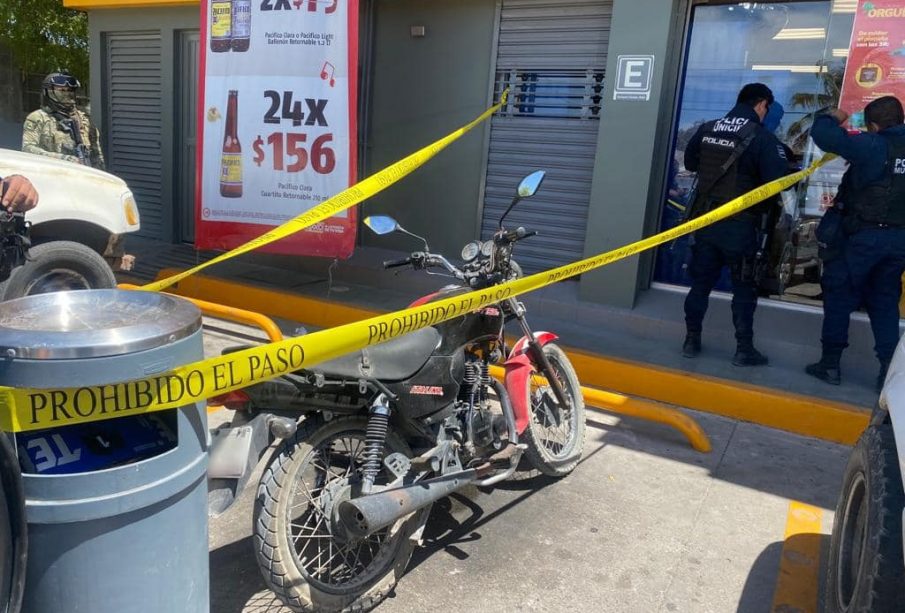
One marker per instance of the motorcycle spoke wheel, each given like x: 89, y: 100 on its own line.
x: 302, y: 548
x: 552, y: 423
x: 555, y: 433
x: 322, y: 482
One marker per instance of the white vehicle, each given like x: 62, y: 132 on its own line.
x: 78, y: 212
x: 866, y: 568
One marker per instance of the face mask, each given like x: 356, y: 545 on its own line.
x: 65, y: 97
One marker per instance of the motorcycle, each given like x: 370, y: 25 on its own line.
x: 372, y: 439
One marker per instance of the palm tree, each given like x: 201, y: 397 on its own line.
x: 830, y: 82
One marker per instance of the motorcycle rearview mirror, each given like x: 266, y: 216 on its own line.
x: 384, y: 224
x: 530, y: 184
x: 527, y: 188
x: 381, y: 224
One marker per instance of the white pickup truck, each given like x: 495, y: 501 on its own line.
x: 78, y: 212
x: 866, y: 566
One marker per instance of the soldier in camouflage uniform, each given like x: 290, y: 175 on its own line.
x: 58, y: 129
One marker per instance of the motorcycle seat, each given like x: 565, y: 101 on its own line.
x: 393, y: 360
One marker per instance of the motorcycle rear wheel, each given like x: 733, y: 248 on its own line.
x: 554, y: 449
x: 308, y: 568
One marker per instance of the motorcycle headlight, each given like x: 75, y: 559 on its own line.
x: 130, y: 209
x: 471, y: 251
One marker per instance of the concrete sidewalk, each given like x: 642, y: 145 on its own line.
x: 643, y: 524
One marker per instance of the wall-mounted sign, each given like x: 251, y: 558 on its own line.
x: 634, y: 74
x: 277, y: 121
x: 876, y: 57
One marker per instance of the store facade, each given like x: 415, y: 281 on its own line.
x: 606, y: 93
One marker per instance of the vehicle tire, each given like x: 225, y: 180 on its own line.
x: 785, y: 269
x: 13, y: 531
x: 554, y: 449
x: 58, y: 266
x: 291, y: 563
x: 866, y: 572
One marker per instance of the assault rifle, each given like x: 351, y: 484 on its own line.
x: 755, y: 267
x: 81, y: 150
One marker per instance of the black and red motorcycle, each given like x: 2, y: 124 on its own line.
x: 372, y: 439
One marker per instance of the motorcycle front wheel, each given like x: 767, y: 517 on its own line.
x: 555, y: 433
x: 304, y: 564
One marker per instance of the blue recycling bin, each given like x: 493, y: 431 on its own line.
x: 116, y: 509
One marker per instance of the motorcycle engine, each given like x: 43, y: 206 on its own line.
x: 480, y: 422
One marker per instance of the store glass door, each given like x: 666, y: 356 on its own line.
x: 799, y: 50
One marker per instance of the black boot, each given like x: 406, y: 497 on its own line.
x: 691, y: 348
x: 747, y: 355
x: 827, y: 369
x: 881, y: 378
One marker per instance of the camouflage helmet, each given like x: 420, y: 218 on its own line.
x: 60, y: 88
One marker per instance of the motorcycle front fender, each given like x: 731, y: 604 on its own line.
x: 518, y: 369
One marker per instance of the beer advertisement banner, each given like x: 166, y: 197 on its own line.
x: 277, y: 121
x: 876, y: 58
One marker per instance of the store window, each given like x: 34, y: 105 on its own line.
x: 799, y: 50
x: 573, y: 94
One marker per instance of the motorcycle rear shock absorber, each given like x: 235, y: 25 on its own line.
x: 375, y: 438
x: 471, y: 381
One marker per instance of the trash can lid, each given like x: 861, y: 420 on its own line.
x: 93, y: 323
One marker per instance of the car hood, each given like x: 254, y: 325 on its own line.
x: 40, y: 170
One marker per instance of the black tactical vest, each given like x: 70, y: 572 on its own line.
x: 883, y: 202
x: 720, y: 139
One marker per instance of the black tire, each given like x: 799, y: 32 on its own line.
x: 277, y: 548
x: 13, y: 530
x: 58, y: 266
x: 866, y: 572
x: 555, y: 456
x: 785, y: 269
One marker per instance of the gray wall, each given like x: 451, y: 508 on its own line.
x: 634, y: 137
x: 167, y: 21
x: 424, y: 88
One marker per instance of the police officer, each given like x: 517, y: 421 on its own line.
x: 868, y: 268
x: 60, y: 130
x: 731, y: 155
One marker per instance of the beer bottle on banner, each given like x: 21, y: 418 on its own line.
x: 231, y: 160
x: 241, y: 25
x: 221, y: 25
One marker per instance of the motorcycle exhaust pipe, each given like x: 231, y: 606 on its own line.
x: 363, y: 516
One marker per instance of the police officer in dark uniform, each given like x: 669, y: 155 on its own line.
x: 731, y: 155
x: 867, y: 268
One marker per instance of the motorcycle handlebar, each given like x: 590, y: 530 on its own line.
x: 397, y: 263
x: 512, y: 236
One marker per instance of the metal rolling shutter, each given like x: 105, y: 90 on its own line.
x: 552, y: 55
x: 132, y: 120
x: 189, y: 43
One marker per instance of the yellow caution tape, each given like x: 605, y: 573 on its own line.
x: 345, y: 199
x: 35, y: 409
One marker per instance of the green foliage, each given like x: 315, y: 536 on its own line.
x: 43, y: 36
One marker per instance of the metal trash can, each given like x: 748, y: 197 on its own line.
x: 117, y: 516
